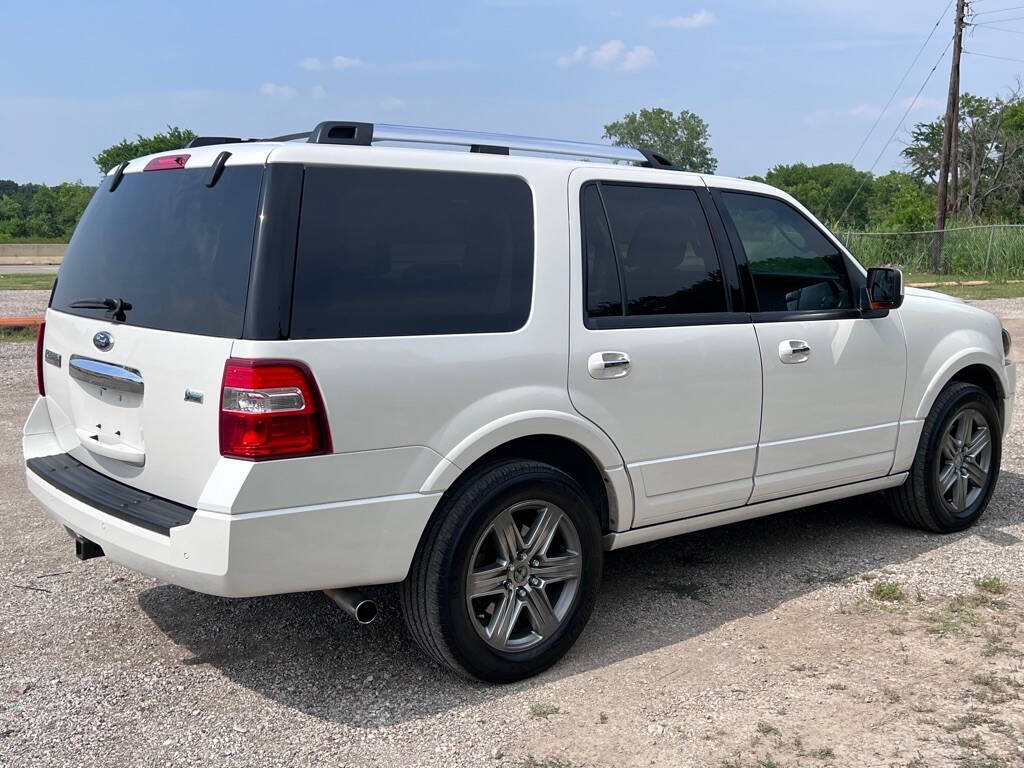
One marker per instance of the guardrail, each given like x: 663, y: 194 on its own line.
x: 32, y: 253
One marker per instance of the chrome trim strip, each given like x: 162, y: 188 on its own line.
x: 105, y: 375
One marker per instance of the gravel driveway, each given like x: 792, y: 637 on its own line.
x: 761, y: 644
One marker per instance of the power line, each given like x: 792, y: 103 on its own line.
x: 899, y: 125
x: 896, y: 90
x: 990, y: 56
x: 999, y: 10
x: 997, y: 21
x: 892, y: 97
x: 997, y: 29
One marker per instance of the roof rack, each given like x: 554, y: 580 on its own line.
x: 365, y: 134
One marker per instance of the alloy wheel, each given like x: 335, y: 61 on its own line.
x: 965, y: 460
x: 524, y: 575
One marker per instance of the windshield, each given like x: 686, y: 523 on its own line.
x: 173, y: 251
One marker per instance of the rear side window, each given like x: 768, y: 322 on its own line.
x: 391, y: 252
x: 176, y: 250
x: 649, y: 251
x: 794, y: 266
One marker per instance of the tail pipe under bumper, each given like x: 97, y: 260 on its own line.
x: 355, y: 604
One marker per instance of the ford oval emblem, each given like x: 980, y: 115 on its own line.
x: 103, y: 341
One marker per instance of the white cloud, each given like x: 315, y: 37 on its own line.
x: 693, y: 21
x: 607, y: 53
x: 872, y: 111
x: 311, y: 63
x: 277, y: 91
x: 639, y: 57
x: 318, y: 92
x: 611, y: 54
x: 865, y: 110
x: 393, y: 103
x: 573, y: 58
x: 345, y: 62
x: 925, y: 102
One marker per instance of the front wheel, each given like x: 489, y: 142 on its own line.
x: 507, y: 573
x: 956, y: 465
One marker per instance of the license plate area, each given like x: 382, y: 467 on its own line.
x: 106, y: 408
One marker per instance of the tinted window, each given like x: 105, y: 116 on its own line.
x: 386, y: 252
x: 662, y: 241
x: 176, y: 250
x: 793, y: 264
x: 604, y: 294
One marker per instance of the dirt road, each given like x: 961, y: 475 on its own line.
x: 829, y: 636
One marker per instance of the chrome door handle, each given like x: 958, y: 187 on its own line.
x: 608, y: 365
x: 794, y: 351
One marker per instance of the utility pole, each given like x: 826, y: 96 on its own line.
x: 949, y: 137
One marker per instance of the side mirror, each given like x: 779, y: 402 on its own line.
x: 884, y: 289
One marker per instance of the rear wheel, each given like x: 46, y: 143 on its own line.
x: 507, y: 573
x: 957, y: 462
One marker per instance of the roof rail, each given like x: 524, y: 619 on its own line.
x: 365, y: 134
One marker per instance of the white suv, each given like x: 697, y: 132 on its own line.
x: 276, y: 366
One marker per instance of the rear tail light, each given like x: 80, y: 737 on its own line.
x: 271, y: 409
x: 166, y: 163
x: 39, y: 358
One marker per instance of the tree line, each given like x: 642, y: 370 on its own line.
x: 989, y: 166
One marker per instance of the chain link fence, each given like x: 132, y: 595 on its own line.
x: 992, y: 252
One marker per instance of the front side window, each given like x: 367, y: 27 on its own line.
x: 393, y: 252
x: 794, y: 266
x: 649, y: 251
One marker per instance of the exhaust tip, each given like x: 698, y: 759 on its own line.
x: 366, y: 611
x: 355, y: 604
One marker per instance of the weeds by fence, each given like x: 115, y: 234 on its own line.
x: 994, y: 251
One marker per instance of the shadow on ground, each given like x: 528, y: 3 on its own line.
x: 302, y: 651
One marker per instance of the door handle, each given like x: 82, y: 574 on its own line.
x: 608, y: 365
x: 794, y: 351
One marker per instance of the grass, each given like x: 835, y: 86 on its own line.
x: 18, y: 334
x: 953, y: 619
x: 767, y: 729
x: 887, y: 592
x: 27, y: 281
x: 554, y: 762
x: 993, y: 585
x: 993, y: 289
x: 822, y: 753
x: 31, y: 240
x: 544, y: 710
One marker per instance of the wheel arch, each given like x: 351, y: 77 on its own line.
x: 972, y: 366
x: 569, y: 443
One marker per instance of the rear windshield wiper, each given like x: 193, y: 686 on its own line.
x: 117, y: 306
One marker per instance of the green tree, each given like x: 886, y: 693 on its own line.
x: 900, y: 203
x: 827, y: 190
x: 173, y: 138
x: 682, y: 138
x: 990, y: 156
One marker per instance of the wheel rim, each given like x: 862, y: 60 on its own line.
x: 965, y: 460
x: 524, y: 575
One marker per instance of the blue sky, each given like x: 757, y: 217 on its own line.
x: 779, y: 81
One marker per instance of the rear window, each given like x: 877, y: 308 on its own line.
x: 390, y: 252
x: 176, y: 250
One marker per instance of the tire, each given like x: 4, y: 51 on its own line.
x: 506, y: 632
x: 924, y: 500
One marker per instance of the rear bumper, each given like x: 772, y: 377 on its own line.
x: 370, y: 541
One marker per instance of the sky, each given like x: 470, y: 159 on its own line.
x: 778, y: 81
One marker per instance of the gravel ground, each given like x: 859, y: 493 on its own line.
x: 18, y: 303
x: 758, y: 644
